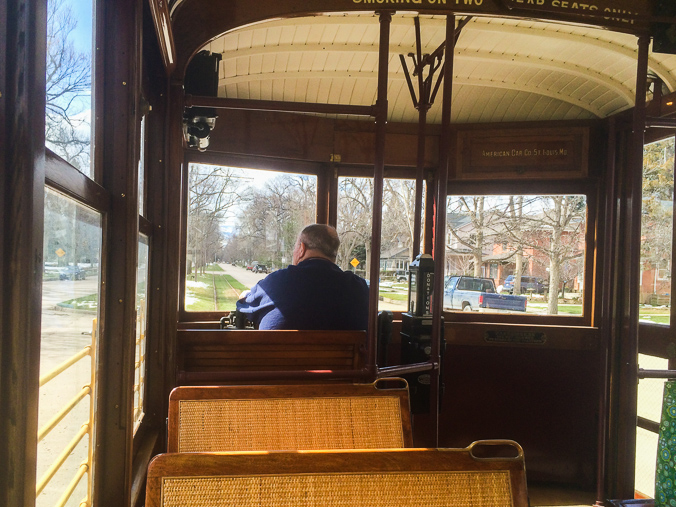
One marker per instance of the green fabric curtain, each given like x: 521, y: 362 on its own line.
x: 665, y: 476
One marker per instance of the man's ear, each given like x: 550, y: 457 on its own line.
x: 302, y: 248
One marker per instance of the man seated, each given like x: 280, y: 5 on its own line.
x: 312, y: 293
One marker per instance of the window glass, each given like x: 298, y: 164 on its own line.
x: 142, y: 169
x: 141, y: 320
x: 69, y: 99
x: 355, y: 211
x: 242, y: 224
x: 657, y: 220
x: 70, y: 302
x: 529, y: 248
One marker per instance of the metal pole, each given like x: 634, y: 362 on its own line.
x: 629, y: 296
x: 440, y: 226
x: 379, y: 170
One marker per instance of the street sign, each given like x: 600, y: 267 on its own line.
x: 60, y: 252
x: 354, y: 263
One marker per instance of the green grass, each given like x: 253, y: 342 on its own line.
x: 657, y: 319
x: 203, y: 297
x: 89, y: 302
x: 571, y: 309
x: 394, y: 296
x: 214, y: 267
x: 235, y: 283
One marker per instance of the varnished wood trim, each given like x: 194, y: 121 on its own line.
x: 23, y: 29
x: 63, y: 177
x: 165, y: 36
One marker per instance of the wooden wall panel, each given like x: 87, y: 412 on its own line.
x: 22, y: 116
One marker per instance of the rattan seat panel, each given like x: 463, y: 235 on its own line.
x: 290, y: 424
x: 397, y: 489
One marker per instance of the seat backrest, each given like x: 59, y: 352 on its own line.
x: 365, y: 478
x: 215, y: 356
x: 290, y: 417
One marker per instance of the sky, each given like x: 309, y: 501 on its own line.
x: 82, y: 35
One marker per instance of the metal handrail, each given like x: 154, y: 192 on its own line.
x: 44, y: 431
x: 49, y: 474
x: 64, y: 366
x: 85, y: 430
x: 140, y: 363
x: 658, y: 374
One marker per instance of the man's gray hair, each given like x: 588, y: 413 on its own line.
x: 323, y: 238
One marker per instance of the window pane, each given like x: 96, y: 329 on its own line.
x: 657, y: 231
x: 70, y: 302
x: 530, y: 247
x: 242, y: 223
x: 355, y: 210
x: 141, y: 320
x: 142, y: 169
x: 69, y: 102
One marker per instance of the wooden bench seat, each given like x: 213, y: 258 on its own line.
x: 290, y: 417
x: 373, y: 478
x: 216, y: 356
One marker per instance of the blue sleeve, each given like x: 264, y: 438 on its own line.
x: 255, y: 305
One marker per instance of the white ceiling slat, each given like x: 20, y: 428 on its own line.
x: 505, y: 69
x: 558, y: 66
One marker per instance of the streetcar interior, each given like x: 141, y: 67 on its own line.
x: 526, y: 150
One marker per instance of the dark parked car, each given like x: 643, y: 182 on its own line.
x: 72, y: 273
x: 260, y: 268
x: 528, y: 284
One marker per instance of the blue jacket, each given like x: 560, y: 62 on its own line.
x: 315, y: 294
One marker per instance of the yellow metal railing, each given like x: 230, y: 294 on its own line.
x: 87, y: 428
x: 139, y: 364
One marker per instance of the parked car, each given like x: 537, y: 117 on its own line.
x: 401, y: 276
x: 72, y: 273
x: 528, y: 284
x: 249, y: 267
x: 260, y: 268
x: 468, y: 294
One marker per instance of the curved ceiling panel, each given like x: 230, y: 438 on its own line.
x: 504, y: 69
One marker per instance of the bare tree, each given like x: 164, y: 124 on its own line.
x: 355, y: 206
x: 479, y: 235
x: 213, y: 192
x: 658, y: 213
x: 398, y: 213
x: 557, y: 230
x: 68, y: 92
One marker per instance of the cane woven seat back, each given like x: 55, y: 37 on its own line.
x: 371, y: 478
x: 288, y: 417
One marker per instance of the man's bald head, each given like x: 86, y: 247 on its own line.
x: 316, y: 240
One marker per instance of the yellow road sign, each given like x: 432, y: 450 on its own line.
x: 354, y: 263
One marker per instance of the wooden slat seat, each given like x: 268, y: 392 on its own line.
x: 372, y: 478
x: 290, y: 417
x: 213, y: 356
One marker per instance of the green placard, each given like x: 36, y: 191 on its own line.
x: 665, y: 474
